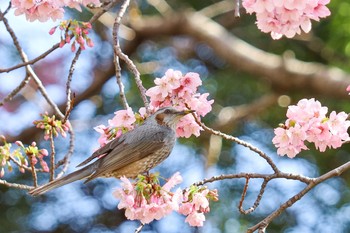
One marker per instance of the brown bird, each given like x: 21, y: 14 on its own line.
x: 133, y: 153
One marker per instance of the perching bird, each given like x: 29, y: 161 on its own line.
x: 133, y: 153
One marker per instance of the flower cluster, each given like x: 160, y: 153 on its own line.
x: 44, y: 10
x: 52, y: 126
x: 173, y: 89
x: 180, y: 91
x: 286, y: 17
x: 6, y: 156
x: 74, y: 29
x: 122, y: 122
x: 195, y: 203
x: 146, y: 200
x: 33, y: 153
x: 307, y: 121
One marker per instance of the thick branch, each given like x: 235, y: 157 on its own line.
x: 284, y: 74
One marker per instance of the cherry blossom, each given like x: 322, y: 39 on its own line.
x: 307, y: 122
x: 146, y: 200
x: 195, y: 203
x: 287, y: 17
x: 51, y: 125
x: 123, y: 118
x: 180, y: 91
x: 44, y: 10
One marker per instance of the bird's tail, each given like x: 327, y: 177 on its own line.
x: 77, y: 175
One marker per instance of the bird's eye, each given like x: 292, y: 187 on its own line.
x: 167, y: 111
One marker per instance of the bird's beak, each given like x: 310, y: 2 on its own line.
x: 185, y: 112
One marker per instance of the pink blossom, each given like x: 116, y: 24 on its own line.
x: 338, y: 124
x: 186, y: 208
x: 123, y: 118
x: 192, y: 81
x: 46, y: 9
x: 307, y: 121
x: 187, y: 126
x: 196, y: 203
x: 104, y: 131
x: 148, y: 204
x: 172, y: 182
x: 305, y: 110
x: 200, y: 200
x: 173, y: 89
x: 287, y: 17
x: 173, y: 78
x: 195, y: 219
x: 201, y: 104
x: 157, y: 94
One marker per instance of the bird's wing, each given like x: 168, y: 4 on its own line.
x: 104, y: 150
x: 129, y: 152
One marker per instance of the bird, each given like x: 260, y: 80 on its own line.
x: 134, y: 152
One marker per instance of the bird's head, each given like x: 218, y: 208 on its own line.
x: 169, y: 116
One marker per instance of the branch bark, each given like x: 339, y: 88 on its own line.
x: 284, y: 74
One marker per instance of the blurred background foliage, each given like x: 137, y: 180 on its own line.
x: 92, y: 207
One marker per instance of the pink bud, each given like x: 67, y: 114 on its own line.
x: 46, y: 137
x: 62, y: 43
x: 52, y: 30
x: 77, y: 30
x: 33, y: 159
x: 82, y: 47
x: 19, y: 143
x: 73, y: 48
x: 44, y: 166
x: 44, y: 152
x: 80, y: 40
x: 67, y: 39
x: 89, y: 43
x: 3, y: 162
x: 2, y: 172
x: 87, y: 25
x: 33, y: 144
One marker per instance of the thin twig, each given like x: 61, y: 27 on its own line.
x: 116, y: 46
x: 103, y: 10
x: 257, y: 201
x: 32, y: 165
x: 267, y: 220
x: 33, y: 61
x: 66, y: 159
x: 30, y: 70
x: 2, y: 15
x: 24, y: 166
x: 16, y: 90
x: 138, y: 230
x: 52, y: 157
x: 244, y: 192
x: 280, y: 175
x: 14, y: 185
x: 68, y: 87
x: 239, y: 141
x: 136, y: 73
